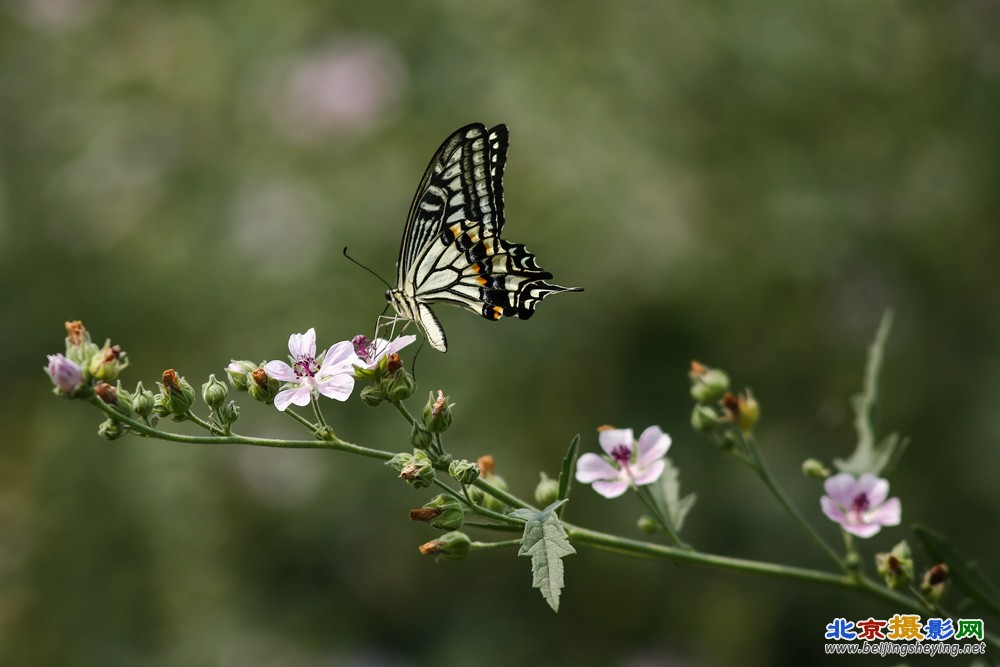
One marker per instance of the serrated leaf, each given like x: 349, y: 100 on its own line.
x: 546, y: 542
x: 668, y: 495
x: 869, y: 456
x: 566, y: 474
x: 964, y: 573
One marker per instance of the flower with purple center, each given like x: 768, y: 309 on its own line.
x: 66, y: 374
x: 370, y: 352
x: 860, y: 505
x: 627, y: 464
x: 332, y: 377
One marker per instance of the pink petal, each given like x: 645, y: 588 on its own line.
x: 591, y: 467
x: 863, y: 529
x: 653, y: 445
x: 890, y: 513
x: 832, y: 510
x: 279, y: 370
x: 841, y: 488
x: 611, y: 489
x: 338, y: 387
x: 400, y: 343
x: 297, y: 396
x: 651, y: 473
x: 876, y: 489
x: 615, y: 437
x: 300, y: 345
x: 341, y: 353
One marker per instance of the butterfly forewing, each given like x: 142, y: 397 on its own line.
x: 452, y: 250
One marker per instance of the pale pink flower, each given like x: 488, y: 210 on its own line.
x: 332, y: 377
x: 627, y: 464
x: 66, y: 374
x: 370, y: 352
x: 860, y: 505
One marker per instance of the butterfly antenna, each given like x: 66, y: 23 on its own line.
x: 413, y: 365
x: 366, y: 268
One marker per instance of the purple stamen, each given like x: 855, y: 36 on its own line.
x: 305, y: 366
x: 622, y: 454
x: 362, y: 347
x: 860, y: 503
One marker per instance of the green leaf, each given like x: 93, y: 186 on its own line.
x: 566, y: 474
x: 868, y: 456
x: 964, y: 573
x: 545, y: 540
x: 668, y: 495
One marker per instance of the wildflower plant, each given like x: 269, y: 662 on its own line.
x: 465, y: 498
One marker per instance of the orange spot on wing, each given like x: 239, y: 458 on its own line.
x: 481, y: 280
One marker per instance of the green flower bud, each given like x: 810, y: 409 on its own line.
x: 815, y: 469
x: 444, y: 512
x: 79, y: 348
x: 262, y: 387
x: 437, y: 413
x: 142, y: 401
x: 415, y: 469
x: 372, y: 395
x: 107, y: 363
x: 176, y: 395
x: 400, y: 385
x: 420, y: 437
x: 934, y: 582
x: 895, y: 567
x: 464, y: 472
x: 453, y: 546
x: 228, y: 413
x: 239, y: 373
x: 476, y: 495
x: 547, y: 491
x: 491, y: 502
x: 704, y: 419
x: 648, y: 524
x: 110, y: 429
x: 214, y: 392
x: 748, y: 411
x: 707, y: 384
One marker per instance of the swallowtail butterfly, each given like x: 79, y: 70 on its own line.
x: 452, y: 250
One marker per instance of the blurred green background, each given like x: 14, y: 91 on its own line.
x: 747, y: 184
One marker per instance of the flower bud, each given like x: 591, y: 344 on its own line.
x: 142, y: 401
x: 707, y: 384
x: 400, y: 385
x: 934, y: 582
x: 372, y: 395
x: 107, y: 363
x: 262, y: 387
x: 895, y: 567
x: 228, y: 413
x: 214, y: 392
x: 463, y: 472
x: 748, y: 411
x: 453, y: 546
x: 444, y: 512
x: 110, y: 429
x: 815, y: 469
x: 66, y: 374
x: 437, y: 413
x: 415, y: 469
x: 176, y: 394
x: 704, y: 418
x: 107, y: 393
x: 239, y: 373
x: 648, y: 524
x: 491, y: 502
x: 79, y: 347
x: 420, y: 437
x: 547, y: 491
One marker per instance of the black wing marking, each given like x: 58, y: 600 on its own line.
x: 464, y: 181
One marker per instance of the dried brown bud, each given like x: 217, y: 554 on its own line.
x: 76, y: 332
x: 605, y: 427
x: 106, y: 393
x: 732, y: 405
x: 393, y: 363
x: 440, y: 404
x: 893, y: 565
x: 112, y: 353
x: 259, y: 376
x: 171, y: 381
x: 432, y: 548
x: 936, y: 575
x: 426, y: 513
x: 486, y: 465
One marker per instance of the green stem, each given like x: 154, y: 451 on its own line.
x: 513, y: 501
x: 302, y: 420
x: 477, y: 509
x: 403, y: 411
x: 208, y: 426
x: 760, y: 467
x: 496, y: 545
x: 647, y: 499
x: 318, y: 412
x: 494, y: 526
